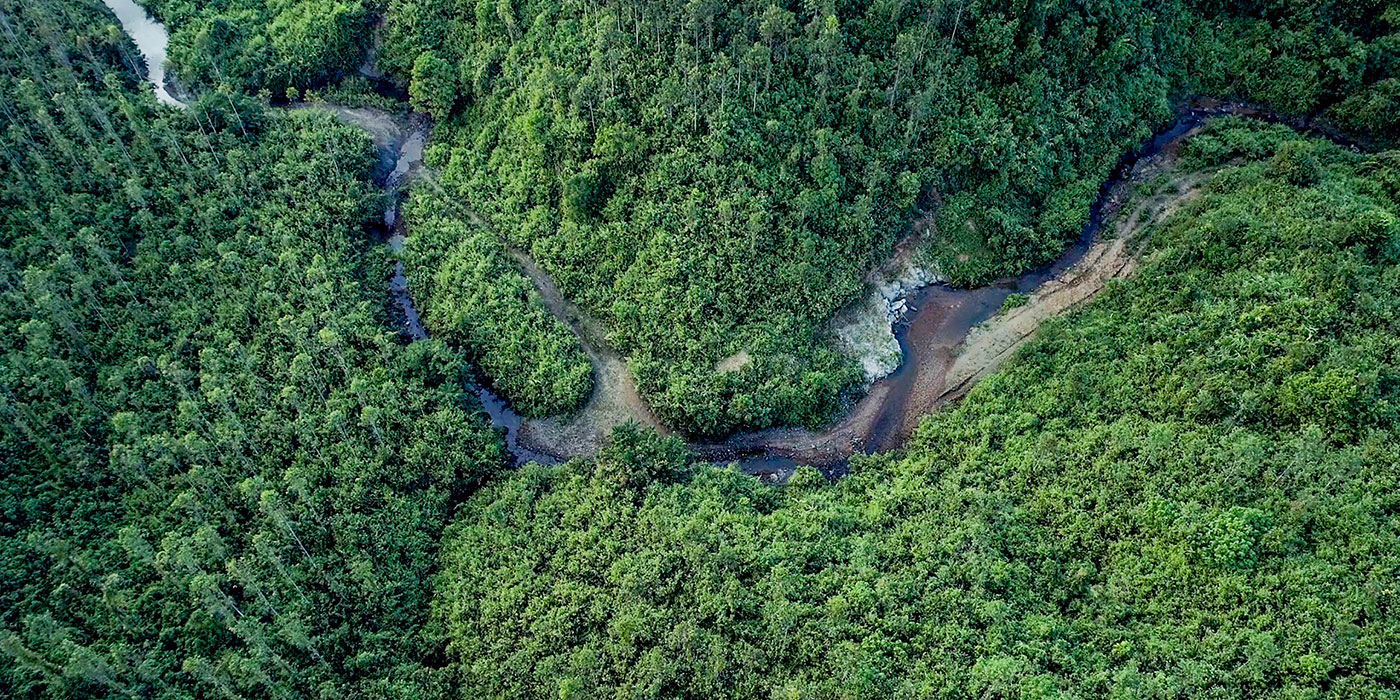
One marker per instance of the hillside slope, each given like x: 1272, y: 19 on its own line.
x: 714, y: 180
x: 221, y: 474
x: 1185, y: 489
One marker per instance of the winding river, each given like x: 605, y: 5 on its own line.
x: 950, y: 338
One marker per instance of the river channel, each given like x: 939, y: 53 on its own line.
x: 933, y: 337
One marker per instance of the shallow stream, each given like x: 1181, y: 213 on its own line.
x: 930, y: 334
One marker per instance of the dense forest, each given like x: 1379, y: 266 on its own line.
x: 713, y: 178
x: 716, y: 178
x: 474, y: 296
x: 221, y: 473
x: 1186, y: 490
x: 255, y: 45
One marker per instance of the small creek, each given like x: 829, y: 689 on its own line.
x: 400, y: 143
x: 407, y: 162
x: 930, y: 335
x: 939, y: 319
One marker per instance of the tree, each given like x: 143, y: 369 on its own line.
x: 318, y: 41
x: 433, y: 88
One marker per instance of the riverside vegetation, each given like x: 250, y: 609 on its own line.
x: 1187, y: 489
x: 716, y: 178
x: 222, y: 474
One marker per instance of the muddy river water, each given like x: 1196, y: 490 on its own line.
x: 934, y: 336
x: 150, y: 38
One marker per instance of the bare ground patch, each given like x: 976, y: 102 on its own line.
x: 734, y: 363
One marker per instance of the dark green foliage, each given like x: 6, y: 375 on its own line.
x: 251, y: 44
x: 1187, y: 489
x: 1374, y: 110
x: 1333, y: 57
x: 584, y: 195
x: 931, y: 101
x: 474, y: 296
x: 1295, y: 163
x: 220, y: 474
x: 710, y: 176
x: 706, y: 176
x: 432, y: 88
x: 636, y: 457
x: 715, y: 177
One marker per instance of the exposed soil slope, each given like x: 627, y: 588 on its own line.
x: 953, y: 358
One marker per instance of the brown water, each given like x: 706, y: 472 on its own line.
x: 941, y: 318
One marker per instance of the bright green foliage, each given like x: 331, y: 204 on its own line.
x: 1013, y: 301
x: 1184, y: 490
x: 253, y: 45
x: 432, y: 88
x: 221, y: 475
x: 316, y: 42
x: 473, y: 295
x: 709, y: 178
x: 715, y: 177
x: 1295, y: 163
x: 635, y: 457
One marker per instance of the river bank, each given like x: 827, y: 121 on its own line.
x: 941, y: 340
